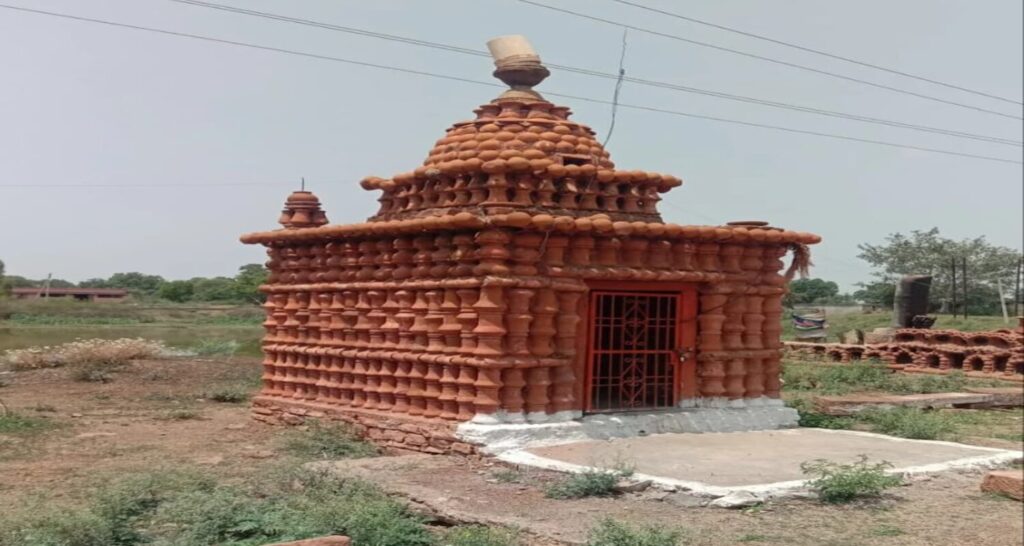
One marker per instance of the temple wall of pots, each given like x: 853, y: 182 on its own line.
x: 463, y: 323
x: 996, y: 354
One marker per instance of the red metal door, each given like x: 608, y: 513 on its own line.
x: 633, y: 350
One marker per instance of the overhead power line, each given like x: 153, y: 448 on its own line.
x: 769, y: 59
x: 606, y: 75
x: 490, y: 84
x: 815, y: 51
x: 168, y: 185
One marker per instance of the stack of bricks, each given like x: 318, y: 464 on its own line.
x: 998, y: 354
x: 466, y: 296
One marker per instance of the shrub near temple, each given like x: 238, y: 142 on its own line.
x: 840, y: 483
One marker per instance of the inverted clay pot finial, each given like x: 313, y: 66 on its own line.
x: 519, y: 66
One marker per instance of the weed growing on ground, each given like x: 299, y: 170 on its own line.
x: 614, y: 533
x: 181, y: 415
x: 753, y: 537
x: 15, y: 423
x: 841, y: 483
x: 912, y: 423
x: 508, y: 476
x: 181, y: 508
x: 811, y: 418
x: 478, y: 535
x: 229, y: 395
x: 327, y: 441
x: 44, y: 408
x: 95, y: 372
x: 589, y: 483
x: 871, y: 376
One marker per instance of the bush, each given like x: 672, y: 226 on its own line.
x: 911, y: 423
x: 180, y: 508
x: 840, y: 483
x: 613, y: 533
x: 589, y: 483
x: 334, y: 441
x: 95, y: 353
x: 478, y: 535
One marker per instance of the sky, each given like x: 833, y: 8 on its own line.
x: 125, y: 150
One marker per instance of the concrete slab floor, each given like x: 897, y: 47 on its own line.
x: 765, y: 461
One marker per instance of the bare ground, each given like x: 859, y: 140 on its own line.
x: 158, y: 414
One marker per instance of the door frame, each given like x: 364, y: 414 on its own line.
x: 685, y: 382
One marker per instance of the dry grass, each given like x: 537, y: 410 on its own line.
x: 85, y: 353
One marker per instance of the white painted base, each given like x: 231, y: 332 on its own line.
x: 497, y: 432
x: 991, y: 458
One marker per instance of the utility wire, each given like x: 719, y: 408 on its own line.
x: 769, y: 59
x: 606, y: 75
x: 618, y: 89
x: 214, y: 184
x: 489, y: 84
x: 812, y: 50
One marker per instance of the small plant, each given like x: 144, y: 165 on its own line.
x: 841, y: 483
x: 181, y: 415
x: 614, y: 533
x: 229, y: 395
x: 508, y: 475
x: 478, y: 535
x: 589, y: 483
x: 44, y: 408
x: 335, y: 441
x: 15, y: 423
x: 911, y: 423
x: 753, y: 537
x: 95, y: 372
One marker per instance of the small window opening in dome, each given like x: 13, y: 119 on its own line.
x: 574, y: 159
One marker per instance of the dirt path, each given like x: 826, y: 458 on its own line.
x: 159, y: 414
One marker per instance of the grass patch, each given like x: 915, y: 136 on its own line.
x: 839, y: 323
x: 589, y: 483
x: 811, y: 418
x: 44, y: 408
x: 610, y: 532
x: 327, y: 441
x: 912, y: 423
x: 215, y: 347
x: 15, y: 423
x: 183, y: 508
x: 754, y: 537
x: 841, y: 483
x: 229, y: 395
x: 479, y: 535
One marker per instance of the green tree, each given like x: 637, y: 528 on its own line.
x: 136, y: 282
x: 878, y: 293
x: 3, y: 281
x: 214, y: 289
x: 928, y: 253
x: 811, y: 291
x: 248, y: 281
x: 176, y: 291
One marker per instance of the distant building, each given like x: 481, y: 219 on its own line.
x: 80, y: 294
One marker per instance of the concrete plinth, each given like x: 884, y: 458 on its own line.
x: 498, y: 438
